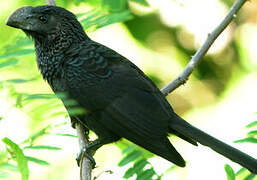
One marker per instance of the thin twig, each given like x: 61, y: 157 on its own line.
x: 51, y: 2
x: 107, y: 171
x: 85, y: 164
x: 183, y: 77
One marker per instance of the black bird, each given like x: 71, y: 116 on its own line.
x: 118, y: 99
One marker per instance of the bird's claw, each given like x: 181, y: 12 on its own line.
x: 83, y: 153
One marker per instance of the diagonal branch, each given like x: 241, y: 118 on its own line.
x: 183, y: 77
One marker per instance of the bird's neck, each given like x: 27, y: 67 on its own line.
x: 53, y: 51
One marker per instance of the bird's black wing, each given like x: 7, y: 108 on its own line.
x: 131, y: 105
x: 101, y: 79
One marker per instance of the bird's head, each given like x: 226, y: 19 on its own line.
x: 46, y: 22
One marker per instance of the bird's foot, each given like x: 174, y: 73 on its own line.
x: 84, y: 152
x: 88, y: 151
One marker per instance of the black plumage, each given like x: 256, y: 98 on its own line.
x: 118, y: 99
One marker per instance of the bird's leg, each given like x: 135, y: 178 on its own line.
x: 88, y: 150
x: 74, y: 120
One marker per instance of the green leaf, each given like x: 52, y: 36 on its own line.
x: 39, y: 96
x: 136, y: 169
x: 38, y: 161
x: 56, y: 114
x: 170, y: 169
x: 78, y: 15
x: 250, y: 177
x: 230, y: 172
x: 130, y: 157
x: 228, y: 3
x: 61, y: 95
x: 9, y: 167
x: 18, y: 53
x: 247, y: 140
x: 21, y: 42
x: 45, y: 110
x: 252, y: 133
x: 146, y: 175
x: 240, y: 171
x: 70, y: 102
x: 76, y: 111
x: 113, y: 18
x: 117, y: 5
x: 10, y: 62
x: 252, y: 124
x: 77, y: 2
x: 20, y: 80
x: 129, y: 149
x: 129, y: 173
x: 68, y: 135
x: 99, y: 19
x: 37, y: 134
x: 142, y: 2
x: 139, y: 165
x: 43, y: 147
x: 1, y: 118
x: 19, y: 101
x: 20, y: 158
x: 90, y: 16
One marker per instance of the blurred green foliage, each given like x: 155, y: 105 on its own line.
x: 22, y: 87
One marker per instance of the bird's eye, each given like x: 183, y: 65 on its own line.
x: 42, y: 19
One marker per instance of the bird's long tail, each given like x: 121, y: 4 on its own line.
x: 186, y: 129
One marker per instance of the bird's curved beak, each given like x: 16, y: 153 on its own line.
x: 20, y: 18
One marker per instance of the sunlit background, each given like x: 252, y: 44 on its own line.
x: 219, y: 98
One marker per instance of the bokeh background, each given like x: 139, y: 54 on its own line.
x: 160, y: 36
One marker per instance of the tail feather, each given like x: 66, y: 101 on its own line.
x: 163, y: 148
x: 182, y: 127
x: 190, y: 140
x: 170, y: 153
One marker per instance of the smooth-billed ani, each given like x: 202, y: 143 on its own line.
x: 119, y: 100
